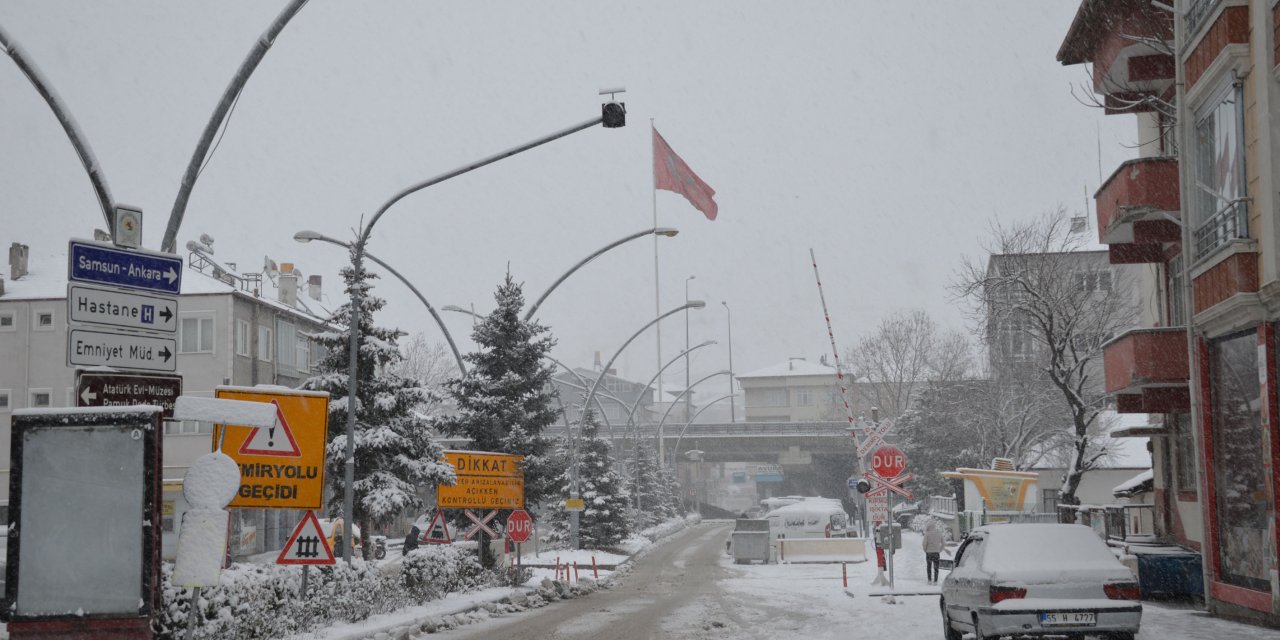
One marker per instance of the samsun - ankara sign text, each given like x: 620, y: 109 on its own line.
x: 280, y: 467
x: 485, y: 481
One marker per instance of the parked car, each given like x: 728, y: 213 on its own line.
x: 1038, y: 579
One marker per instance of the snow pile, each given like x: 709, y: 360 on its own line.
x: 670, y: 527
x: 261, y: 601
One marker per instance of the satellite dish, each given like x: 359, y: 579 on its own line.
x: 270, y: 267
x: 206, y: 239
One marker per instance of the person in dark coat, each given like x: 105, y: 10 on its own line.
x: 411, y: 540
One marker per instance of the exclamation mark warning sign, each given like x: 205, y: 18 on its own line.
x: 274, y: 441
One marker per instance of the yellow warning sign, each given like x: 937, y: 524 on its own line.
x: 281, y: 467
x: 574, y: 504
x: 485, y: 481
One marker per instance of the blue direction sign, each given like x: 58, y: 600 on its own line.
x: 135, y: 269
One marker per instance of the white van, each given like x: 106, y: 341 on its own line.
x: 811, y: 518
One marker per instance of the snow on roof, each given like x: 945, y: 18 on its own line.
x: 1134, y: 484
x: 792, y: 367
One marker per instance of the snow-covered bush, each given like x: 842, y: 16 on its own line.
x: 670, y: 527
x: 430, y: 572
x: 261, y: 601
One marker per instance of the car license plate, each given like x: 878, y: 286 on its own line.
x: 1068, y: 619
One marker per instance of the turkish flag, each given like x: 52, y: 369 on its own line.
x: 672, y: 174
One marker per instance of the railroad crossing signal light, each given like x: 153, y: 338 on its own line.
x: 863, y: 485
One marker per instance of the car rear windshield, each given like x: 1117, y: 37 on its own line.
x: 1052, y: 548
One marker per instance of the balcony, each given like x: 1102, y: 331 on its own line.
x: 1138, y: 209
x: 1148, y: 370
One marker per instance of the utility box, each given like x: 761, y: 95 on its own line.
x: 884, y: 531
x: 750, y: 545
x: 750, y: 540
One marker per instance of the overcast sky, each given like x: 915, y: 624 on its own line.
x: 883, y: 135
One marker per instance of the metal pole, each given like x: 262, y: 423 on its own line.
x: 353, y: 372
x: 69, y: 126
x: 892, y: 548
x: 229, y: 95
x: 357, y: 260
x: 194, y: 614
x: 688, y: 399
x: 733, y: 410
x: 307, y: 236
x: 306, y: 573
x: 538, y: 303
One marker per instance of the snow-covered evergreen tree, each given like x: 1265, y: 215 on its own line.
x: 503, y: 402
x: 649, y: 485
x: 394, y: 451
x: 603, y: 522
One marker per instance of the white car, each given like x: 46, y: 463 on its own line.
x: 1038, y: 579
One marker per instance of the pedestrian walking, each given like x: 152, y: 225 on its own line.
x: 932, y: 550
x: 411, y: 540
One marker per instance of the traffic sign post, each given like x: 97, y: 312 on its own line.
x: 890, y: 472
x: 120, y: 349
x: 96, y: 262
x: 519, y: 526
x: 95, y: 389
x: 281, y: 467
x: 112, y: 307
x: 484, y: 481
x: 888, y: 461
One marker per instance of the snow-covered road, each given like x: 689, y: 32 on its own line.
x: 687, y: 588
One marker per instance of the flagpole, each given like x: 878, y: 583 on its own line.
x: 657, y: 308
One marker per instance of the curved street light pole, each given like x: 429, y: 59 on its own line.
x: 692, y: 304
x: 229, y: 95
x: 676, y: 449
x: 733, y: 412
x: 663, y: 421
x: 635, y: 405
x: 656, y: 231
x: 69, y: 126
x: 308, y: 236
x: 612, y: 116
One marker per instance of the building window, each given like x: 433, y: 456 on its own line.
x: 196, y: 334
x: 1218, y: 190
x: 41, y: 398
x: 1184, y: 453
x: 4, y: 400
x: 774, y: 398
x: 804, y: 397
x: 264, y: 343
x: 1099, y: 280
x: 42, y: 319
x: 1049, y: 500
x: 286, y: 349
x: 7, y: 321
x: 242, y: 338
x: 1241, y: 492
x: 302, y: 354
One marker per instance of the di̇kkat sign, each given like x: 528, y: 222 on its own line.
x: 280, y: 467
x: 485, y: 481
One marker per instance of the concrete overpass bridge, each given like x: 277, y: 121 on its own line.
x: 742, y: 462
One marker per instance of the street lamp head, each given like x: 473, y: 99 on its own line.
x: 307, y: 236
x: 669, y: 232
x: 724, y: 304
x: 695, y: 304
x: 705, y: 343
x: 455, y: 308
x: 691, y: 278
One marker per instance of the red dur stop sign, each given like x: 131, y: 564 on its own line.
x: 519, y: 526
x: 888, y: 462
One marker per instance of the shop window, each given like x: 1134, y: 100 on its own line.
x: 1241, y: 492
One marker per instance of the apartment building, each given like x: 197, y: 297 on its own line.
x: 1199, y: 204
x: 234, y: 328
